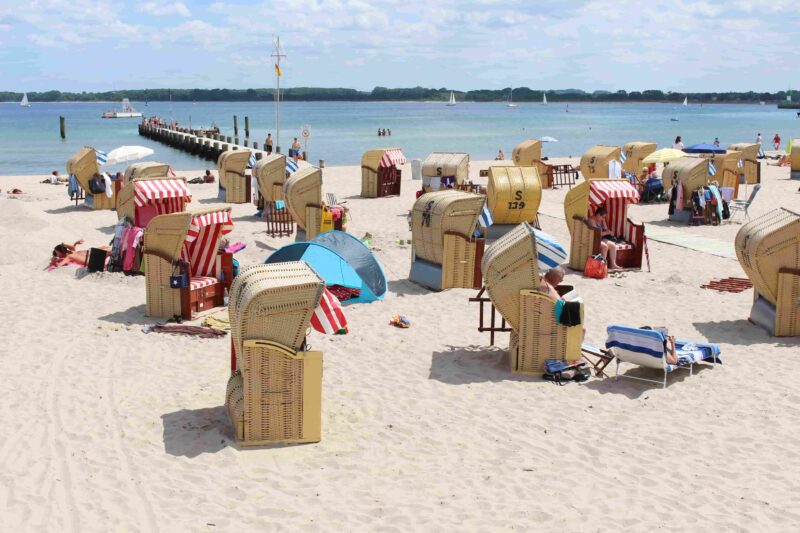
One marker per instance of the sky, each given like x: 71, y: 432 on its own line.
x: 676, y: 45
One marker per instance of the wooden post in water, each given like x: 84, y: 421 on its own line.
x: 246, y: 127
x: 235, y: 125
x: 62, y: 122
x: 255, y: 145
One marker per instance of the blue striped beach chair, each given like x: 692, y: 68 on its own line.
x: 647, y: 348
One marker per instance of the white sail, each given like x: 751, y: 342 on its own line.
x: 544, y: 99
x: 686, y: 101
x: 511, y: 99
x: 452, y: 99
x: 24, y: 102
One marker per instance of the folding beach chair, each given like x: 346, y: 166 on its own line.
x: 742, y: 206
x: 647, y: 348
x: 597, y: 357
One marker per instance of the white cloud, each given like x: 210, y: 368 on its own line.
x: 164, y: 9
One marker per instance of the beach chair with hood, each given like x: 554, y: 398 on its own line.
x: 84, y: 166
x: 185, y: 271
x: 511, y: 277
x: 302, y: 191
x: 274, y: 393
x: 234, y: 183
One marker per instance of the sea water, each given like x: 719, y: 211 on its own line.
x: 342, y: 131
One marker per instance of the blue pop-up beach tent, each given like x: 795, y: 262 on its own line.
x: 339, y: 259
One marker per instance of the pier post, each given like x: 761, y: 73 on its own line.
x: 229, y: 139
x: 255, y: 145
x: 235, y: 125
x: 246, y: 127
x: 62, y: 122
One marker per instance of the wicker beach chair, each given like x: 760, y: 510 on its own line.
x: 270, y: 173
x: 594, y: 163
x: 614, y: 195
x: 794, y: 160
x: 234, y: 183
x: 143, y: 198
x: 145, y: 169
x: 444, y: 168
x: 513, y: 195
x: 690, y: 172
x: 511, y: 277
x: 768, y: 248
x: 380, y: 172
x: 634, y: 152
x: 83, y: 164
x: 528, y: 153
x: 274, y: 394
x: 445, y: 252
x: 303, y: 195
x: 751, y: 166
x: 187, y: 243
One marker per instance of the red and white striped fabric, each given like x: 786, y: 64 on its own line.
x: 393, y: 158
x: 198, y: 282
x: 202, y: 240
x: 615, y: 195
x: 148, y: 190
x: 329, y: 317
x: 167, y: 206
x: 172, y: 173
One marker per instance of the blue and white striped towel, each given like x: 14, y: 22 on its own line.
x: 549, y: 252
x: 102, y: 157
x: 740, y: 164
x: 252, y: 161
x: 622, y: 156
x: 486, y: 219
x: 291, y: 165
x: 712, y: 169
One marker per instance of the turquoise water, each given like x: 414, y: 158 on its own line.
x: 342, y: 131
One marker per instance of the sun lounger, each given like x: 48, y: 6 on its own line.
x: 647, y: 348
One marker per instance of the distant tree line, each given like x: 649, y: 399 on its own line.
x: 521, y: 94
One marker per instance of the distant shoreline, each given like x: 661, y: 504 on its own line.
x: 550, y: 103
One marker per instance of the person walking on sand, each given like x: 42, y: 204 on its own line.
x: 716, y: 142
x: 268, y: 144
x: 776, y: 142
x: 758, y: 139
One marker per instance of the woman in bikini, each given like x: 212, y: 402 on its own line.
x: 608, y: 246
x: 64, y: 254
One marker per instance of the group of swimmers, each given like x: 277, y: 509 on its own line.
x: 384, y: 132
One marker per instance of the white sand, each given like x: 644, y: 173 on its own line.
x: 105, y: 428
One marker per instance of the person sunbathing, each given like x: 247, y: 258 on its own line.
x: 608, y: 244
x: 672, y: 357
x: 65, y: 254
x: 551, y: 279
x: 782, y: 162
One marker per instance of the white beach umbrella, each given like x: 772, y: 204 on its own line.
x: 547, y: 139
x: 124, y: 154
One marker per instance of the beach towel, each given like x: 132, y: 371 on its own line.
x: 73, y: 188
x: 329, y: 317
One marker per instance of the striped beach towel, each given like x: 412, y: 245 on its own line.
x: 102, y: 157
x: 329, y: 317
x: 622, y: 156
x: 252, y: 161
x: 712, y: 169
x: 291, y: 165
x: 486, y: 219
x: 549, y: 252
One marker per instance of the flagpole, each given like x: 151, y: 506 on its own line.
x: 277, y: 55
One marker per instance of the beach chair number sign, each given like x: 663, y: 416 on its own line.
x: 517, y: 203
x: 592, y: 163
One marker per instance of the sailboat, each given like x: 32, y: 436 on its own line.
x: 544, y: 99
x: 511, y: 99
x: 24, y: 101
x: 686, y: 100
x: 128, y: 111
x: 452, y: 101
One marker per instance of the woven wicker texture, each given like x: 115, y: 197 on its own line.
x: 541, y: 337
x: 766, y: 244
x: 458, y: 268
x: 692, y: 172
x: 269, y: 172
x: 794, y: 157
x: 526, y: 153
x: 232, y: 165
x: 727, y: 165
x: 125, y: 200
x: 146, y: 169
x: 302, y: 189
x: 514, y: 194
x: 634, y: 152
x: 274, y: 302
x: 440, y: 212
x: 576, y: 202
x: 447, y: 164
x: 750, y: 160
x: 787, y: 317
x: 163, y: 242
x: 594, y: 163
x: 510, y: 265
x: 370, y: 162
x: 83, y: 164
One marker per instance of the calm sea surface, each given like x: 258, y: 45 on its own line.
x: 342, y: 131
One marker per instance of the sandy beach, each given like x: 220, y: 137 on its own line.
x: 106, y: 428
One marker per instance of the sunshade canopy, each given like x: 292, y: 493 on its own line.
x: 602, y: 190
x: 394, y: 157
x: 339, y: 259
x: 147, y: 190
x: 665, y: 155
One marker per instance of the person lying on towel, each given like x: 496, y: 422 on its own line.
x: 65, y: 254
x: 608, y: 241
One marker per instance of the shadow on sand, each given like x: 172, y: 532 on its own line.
x: 741, y: 332
x: 461, y: 365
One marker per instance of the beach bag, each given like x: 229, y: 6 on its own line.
x: 96, y: 262
x: 560, y: 372
x: 180, y: 276
x: 595, y: 268
x: 326, y: 220
x: 97, y: 185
